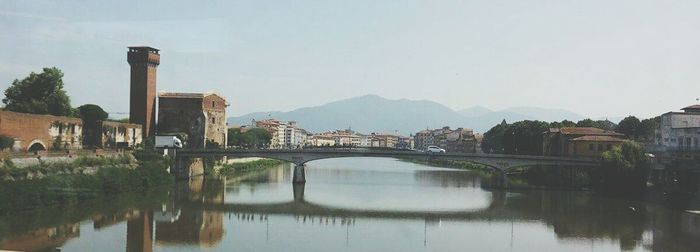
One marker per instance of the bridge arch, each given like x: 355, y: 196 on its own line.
x: 36, y: 145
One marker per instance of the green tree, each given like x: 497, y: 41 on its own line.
x: 6, y: 142
x: 39, y: 94
x: 524, y: 137
x: 493, y: 139
x: 647, y: 128
x: 624, y: 169
x: 252, y: 138
x: 562, y: 124
x: 629, y: 126
x: 259, y: 137
x: 92, y: 115
x: 587, y: 123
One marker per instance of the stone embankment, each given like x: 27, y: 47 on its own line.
x: 28, y: 168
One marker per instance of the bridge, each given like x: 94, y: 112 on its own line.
x: 499, y: 163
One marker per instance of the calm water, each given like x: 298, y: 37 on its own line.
x: 354, y: 204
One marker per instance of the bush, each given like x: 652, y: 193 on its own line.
x: 624, y: 170
x: 6, y: 142
x: 229, y: 169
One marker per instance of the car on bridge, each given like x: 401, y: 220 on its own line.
x: 434, y: 149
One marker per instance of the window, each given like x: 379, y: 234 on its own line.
x: 591, y: 147
x: 213, y: 120
x: 609, y: 147
x: 213, y: 104
x: 600, y: 147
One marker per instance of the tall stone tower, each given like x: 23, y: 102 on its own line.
x: 142, y: 106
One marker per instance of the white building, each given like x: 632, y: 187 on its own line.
x: 680, y: 130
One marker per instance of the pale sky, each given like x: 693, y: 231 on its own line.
x: 595, y: 58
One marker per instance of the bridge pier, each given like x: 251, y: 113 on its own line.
x: 299, y: 174
x: 499, y: 179
x: 298, y: 189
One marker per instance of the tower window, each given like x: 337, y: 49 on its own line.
x: 213, y: 120
x: 213, y: 104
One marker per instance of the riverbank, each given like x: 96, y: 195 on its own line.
x: 65, y: 183
x: 482, y: 170
x: 238, y: 168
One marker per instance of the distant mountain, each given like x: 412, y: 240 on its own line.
x: 543, y: 114
x: 474, y: 111
x: 371, y: 113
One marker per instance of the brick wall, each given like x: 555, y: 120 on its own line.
x: 41, y: 131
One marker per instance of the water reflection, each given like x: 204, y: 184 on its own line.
x: 414, y: 208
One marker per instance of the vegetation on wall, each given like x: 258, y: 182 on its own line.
x: 6, y: 142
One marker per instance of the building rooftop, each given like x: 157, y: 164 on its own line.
x: 587, y: 131
x: 143, y: 48
x: 598, y: 139
x: 692, y: 108
x: 182, y: 95
x: 187, y: 95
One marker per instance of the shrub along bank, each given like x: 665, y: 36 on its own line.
x: 62, y: 183
x: 235, y: 168
x: 463, y: 165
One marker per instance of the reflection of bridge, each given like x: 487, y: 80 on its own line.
x: 498, y: 162
x: 300, y: 207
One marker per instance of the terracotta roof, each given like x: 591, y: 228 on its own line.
x: 588, y: 131
x: 598, y: 139
x: 187, y: 95
x: 181, y: 95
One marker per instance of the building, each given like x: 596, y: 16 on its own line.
x: 278, y: 132
x: 144, y: 61
x: 423, y: 139
x: 33, y: 132
x: 200, y: 116
x: 679, y: 130
x: 460, y: 141
x: 592, y: 145
x: 120, y: 135
x: 579, y: 141
x: 320, y: 140
x: 285, y: 135
x: 383, y: 140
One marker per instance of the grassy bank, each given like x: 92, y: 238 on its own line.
x: 237, y: 168
x: 67, y: 182
x: 79, y: 165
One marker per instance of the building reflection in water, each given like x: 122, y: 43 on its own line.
x: 195, y: 226
x: 43, y: 239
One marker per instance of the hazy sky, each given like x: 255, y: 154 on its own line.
x: 595, y: 58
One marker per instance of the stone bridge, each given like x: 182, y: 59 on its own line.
x: 498, y: 162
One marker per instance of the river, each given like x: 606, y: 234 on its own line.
x: 353, y: 204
